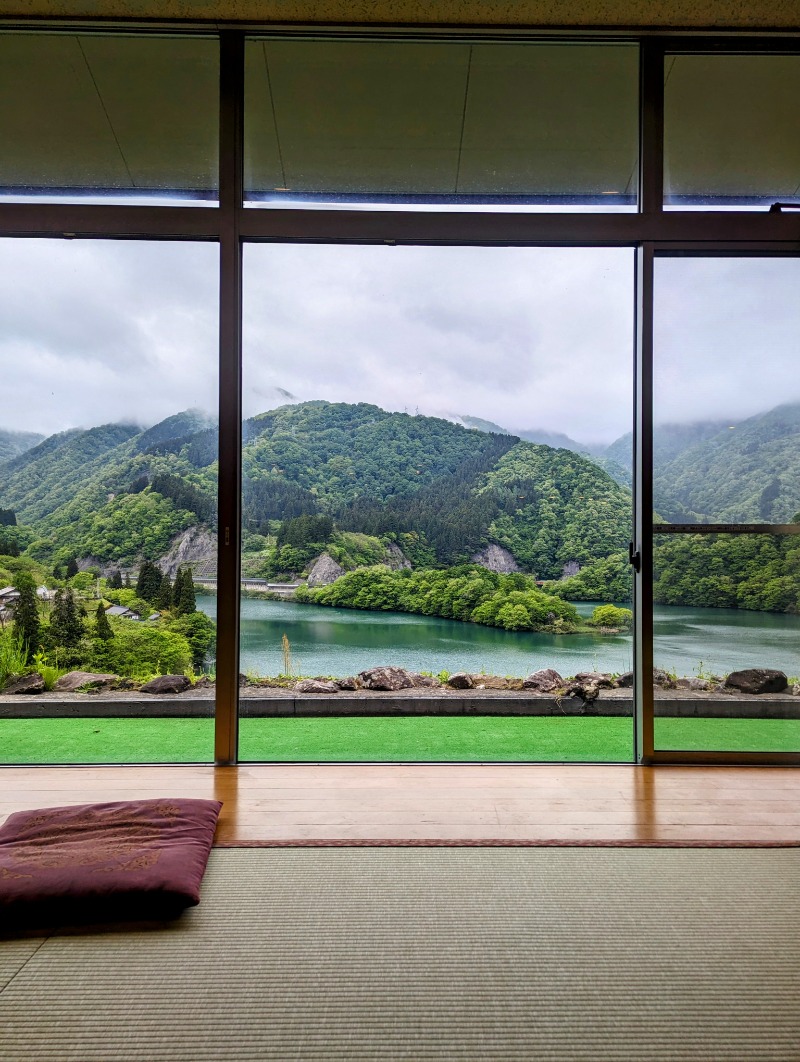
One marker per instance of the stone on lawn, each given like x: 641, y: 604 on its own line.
x: 757, y: 680
x: 544, y: 681
x: 74, y: 680
x: 166, y: 684
x: 386, y: 678
x: 25, y: 684
x: 316, y: 686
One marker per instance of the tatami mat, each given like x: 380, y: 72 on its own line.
x: 473, y: 954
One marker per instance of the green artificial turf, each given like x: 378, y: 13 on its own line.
x: 379, y: 738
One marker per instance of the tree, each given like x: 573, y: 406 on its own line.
x: 187, y: 603
x: 102, y: 628
x: 165, y: 594
x: 176, y: 589
x: 115, y: 580
x: 200, y: 632
x: 72, y: 567
x: 611, y: 616
x: 26, y: 613
x: 148, y: 585
x: 66, y: 628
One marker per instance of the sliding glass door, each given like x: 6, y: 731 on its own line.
x: 726, y: 500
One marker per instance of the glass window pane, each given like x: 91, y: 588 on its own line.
x: 97, y: 116
x: 731, y: 130
x: 537, y: 124
x: 726, y: 401
x: 727, y: 452
x: 429, y: 484
x: 108, y: 474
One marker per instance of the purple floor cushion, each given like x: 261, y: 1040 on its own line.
x: 136, y: 859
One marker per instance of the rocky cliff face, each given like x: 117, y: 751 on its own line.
x: 395, y: 558
x: 195, y: 546
x: 324, y: 571
x: 496, y: 559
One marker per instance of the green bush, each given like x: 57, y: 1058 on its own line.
x: 611, y: 616
x: 138, y: 651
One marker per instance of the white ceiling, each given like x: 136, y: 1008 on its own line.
x: 112, y: 113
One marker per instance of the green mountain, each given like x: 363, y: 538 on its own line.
x: 565, y: 510
x: 747, y: 472
x: 14, y: 443
x: 366, y: 481
x: 117, y: 492
x: 91, y: 493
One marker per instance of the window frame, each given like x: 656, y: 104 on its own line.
x: 650, y: 231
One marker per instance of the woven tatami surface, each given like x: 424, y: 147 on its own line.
x: 409, y: 953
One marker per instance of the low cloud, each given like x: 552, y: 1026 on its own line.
x: 99, y: 331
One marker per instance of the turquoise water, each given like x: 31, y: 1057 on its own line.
x: 327, y: 641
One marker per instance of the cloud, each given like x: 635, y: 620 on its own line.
x: 99, y: 331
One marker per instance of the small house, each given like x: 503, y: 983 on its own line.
x: 122, y: 612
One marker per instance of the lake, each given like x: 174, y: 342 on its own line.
x: 330, y: 641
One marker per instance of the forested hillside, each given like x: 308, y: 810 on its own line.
x: 367, y: 487
x: 749, y: 472
x: 14, y: 443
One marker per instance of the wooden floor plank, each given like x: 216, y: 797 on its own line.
x: 285, y: 802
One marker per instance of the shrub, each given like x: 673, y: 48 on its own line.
x: 611, y: 616
x: 138, y: 651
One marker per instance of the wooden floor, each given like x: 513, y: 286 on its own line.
x: 450, y: 802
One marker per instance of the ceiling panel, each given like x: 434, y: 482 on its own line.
x: 440, y: 119
x: 115, y: 114
x: 357, y: 117
x: 551, y: 119
x: 732, y: 126
x: 52, y: 126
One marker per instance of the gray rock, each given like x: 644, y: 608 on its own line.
x: 74, y: 680
x: 693, y: 684
x: 461, y: 681
x: 496, y: 559
x: 386, y: 678
x: 166, y: 684
x: 316, y: 686
x: 594, y: 678
x: 348, y: 683
x: 423, y: 681
x: 588, y: 692
x: 395, y: 558
x: 25, y: 684
x: 660, y: 679
x: 195, y: 547
x: 544, y: 680
x: 757, y: 680
x: 324, y: 571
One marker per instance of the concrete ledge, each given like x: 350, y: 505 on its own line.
x: 275, y: 703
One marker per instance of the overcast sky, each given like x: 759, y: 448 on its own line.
x: 99, y: 331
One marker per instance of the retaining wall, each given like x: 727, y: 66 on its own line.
x: 286, y: 703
